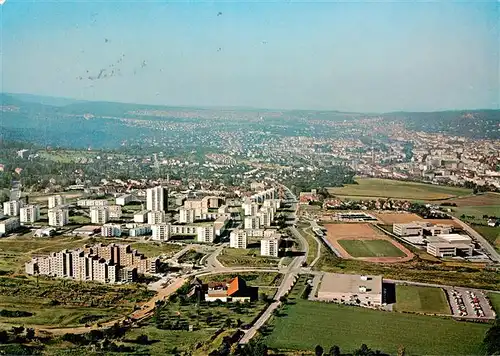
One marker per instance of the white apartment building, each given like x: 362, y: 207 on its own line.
x: 265, y: 218
x: 238, y: 239
x: 250, y: 208
x: 186, y: 216
x: 99, y: 215
x: 156, y: 217
x: 251, y: 222
x: 12, y: 207
x: 28, y: 214
x: 124, y: 199
x: 141, y: 217
x: 205, y: 234
x: 139, y: 230
x: 155, y: 198
x: 92, y: 202
x: 160, y: 232
x: 58, y: 216
x: 9, y: 225
x: 270, y: 246
x: 183, y: 230
x: 56, y: 200
x: 115, y: 211
x: 111, y: 230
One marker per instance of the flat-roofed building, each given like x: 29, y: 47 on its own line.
x: 9, y: 225
x: 205, y: 234
x: 58, y: 216
x: 156, y: 217
x: 186, y: 216
x: 115, y: 211
x: 56, y: 200
x: 270, y: 246
x: 183, y: 230
x: 141, y: 217
x: 238, y: 239
x: 157, y: 199
x: 92, y: 202
x: 220, y: 224
x: 12, y: 207
x: 111, y: 230
x: 99, y: 214
x: 160, y: 232
x: 352, y: 289
x: 409, y: 229
x: 450, y: 245
x: 139, y: 230
x: 124, y: 199
x: 252, y: 222
x: 28, y: 214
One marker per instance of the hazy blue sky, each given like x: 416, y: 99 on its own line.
x: 370, y: 56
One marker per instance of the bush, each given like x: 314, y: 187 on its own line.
x: 14, y: 313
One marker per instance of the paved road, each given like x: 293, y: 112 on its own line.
x: 493, y: 254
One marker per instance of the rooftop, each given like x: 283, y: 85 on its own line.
x: 350, y: 283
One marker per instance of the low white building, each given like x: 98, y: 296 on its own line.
x: 124, y: 199
x: 92, y: 202
x: 139, y: 230
x: 352, y: 289
x: 141, y: 217
x: 450, y: 245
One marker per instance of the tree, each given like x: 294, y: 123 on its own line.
x: 318, y: 350
x: 142, y: 339
x: 363, y: 351
x: 334, y: 351
x: 30, y: 333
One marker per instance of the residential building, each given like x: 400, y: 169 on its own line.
x: 56, y: 200
x: 115, y: 212
x: 351, y: 289
x: 99, y: 214
x: 250, y: 208
x: 156, y: 217
x: 139, y: 230
x: 270, y: 246
x: 12, y: 207
x: 266, y: 217
x: 238, y: 239
x: 183, y: 230
x: 9, y: 225
x: 234, y: 291
x: 205, y: 234
x: 251, y: 222
x: 141, y: 217
x: 220, y: 224
x: 186, y: 216
x: 92, y: 202
x: 160, y: 232
x: 124, y: 199
x: 111, y: 230
x: 28, y: 214
x: 58, y: 216
x: 157, y: 199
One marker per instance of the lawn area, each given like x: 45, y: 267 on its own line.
x: 418, y: 299
x: 252, y: 278
x: 490, y: 233
x: 153, y: 249
x: 387, y: 188
x: 79, y: 220
x: 371, y: 248
x: 306, y: 324
x: 313, y: 245
x: 246, y: 257
x: 495, y: 301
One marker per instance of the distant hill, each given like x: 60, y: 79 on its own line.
x: 44, y: 100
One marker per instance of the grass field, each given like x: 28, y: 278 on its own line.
x: 151, y: 249
x: 386, y: 188
x: 371, y: 248
x: 246, y: 257
x: 417, y: 299
x: 490, y: 233
x: 308, y: 324
x: 495, y: 301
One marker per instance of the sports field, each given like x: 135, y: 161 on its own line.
x: 371, y: 248
x: 308, y: 324
x: 426, y: 300
x: 387, y: 188
x: 363, y: 241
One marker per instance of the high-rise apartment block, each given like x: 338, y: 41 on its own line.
x: 56, y: 200
x: 12, y: 207
x: 238, y: 239
x: 270, y: 246
x: 160, y: 232
x: 99, y: 214
x: 157, y: 199
x: 29, y: 214
x: 58, y: 216
x: 205, y: 234
x: 156, y: 217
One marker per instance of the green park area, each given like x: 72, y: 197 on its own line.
x: 304, y: 324
x: 387, y: 188
x: 250, y: 257
x: 495, y: 301
x: 371, y: 248
x: 416, y: 299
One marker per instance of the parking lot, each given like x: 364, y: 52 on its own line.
x: 469, y: 303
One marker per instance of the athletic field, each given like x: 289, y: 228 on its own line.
x: 371, y: 248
